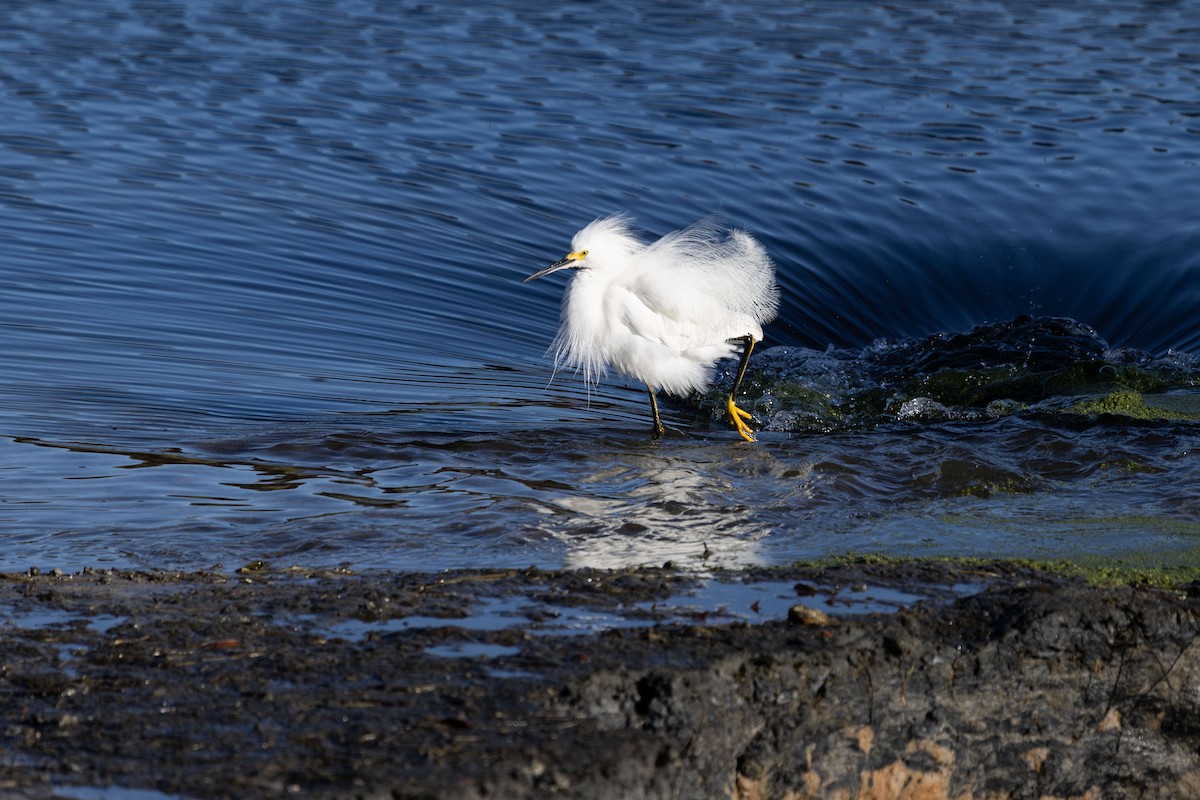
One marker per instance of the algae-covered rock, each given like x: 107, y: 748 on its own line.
x: 1046, y: 366
x: 1127, y: 402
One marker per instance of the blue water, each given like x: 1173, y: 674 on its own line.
x: 260, y: 270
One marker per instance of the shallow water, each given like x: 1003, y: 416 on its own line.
x: 260, y: 273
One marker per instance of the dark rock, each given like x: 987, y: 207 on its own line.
x: 209, y: 687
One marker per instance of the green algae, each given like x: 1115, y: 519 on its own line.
x: 1163, y: 571
x: 981, y: 386
x: 1163, y: 567
x: 1128, y: 402
x: 806, y: 396
x: 1127, y: 391
x: 1127, y: 571
x: 826, y: 408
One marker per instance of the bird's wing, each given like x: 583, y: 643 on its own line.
x: 656, y: 308
x: 731, y: 271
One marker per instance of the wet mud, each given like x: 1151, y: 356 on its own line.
x: 985, y: 682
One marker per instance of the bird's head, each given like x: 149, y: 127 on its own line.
x: 605, y: 241
x: 574, y: 260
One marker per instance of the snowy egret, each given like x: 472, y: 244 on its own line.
x: 664, y: 312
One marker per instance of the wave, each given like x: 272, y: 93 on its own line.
x: 1028, y: 365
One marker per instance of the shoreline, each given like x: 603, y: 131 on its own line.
x: 1003, y: 680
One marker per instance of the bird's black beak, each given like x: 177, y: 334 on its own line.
x: 555, y: 267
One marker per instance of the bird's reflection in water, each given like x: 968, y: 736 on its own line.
x: 649, y: 509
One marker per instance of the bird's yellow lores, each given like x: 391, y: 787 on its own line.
x: 664, y: 312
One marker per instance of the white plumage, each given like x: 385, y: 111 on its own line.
x: 663, y: 312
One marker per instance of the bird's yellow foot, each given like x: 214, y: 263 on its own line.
x: 738, y: 418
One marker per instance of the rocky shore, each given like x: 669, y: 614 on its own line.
x: 1000, y: 681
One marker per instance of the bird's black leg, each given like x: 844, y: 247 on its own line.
x: 737, y: 416
x: 658, y: 429
x: 747, y: 349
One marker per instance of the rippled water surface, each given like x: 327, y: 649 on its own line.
x: 261, y: 262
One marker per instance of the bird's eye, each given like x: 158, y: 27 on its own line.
x: 583, y: 253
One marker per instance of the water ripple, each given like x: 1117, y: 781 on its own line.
x: 302, y: 228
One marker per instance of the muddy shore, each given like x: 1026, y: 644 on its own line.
x: 998, y: 682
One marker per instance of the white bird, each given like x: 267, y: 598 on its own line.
x: 664, y: 312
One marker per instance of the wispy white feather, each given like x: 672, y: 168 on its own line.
x: 663, y: 312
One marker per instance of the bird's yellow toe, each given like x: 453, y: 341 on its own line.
x: 739, y: 417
